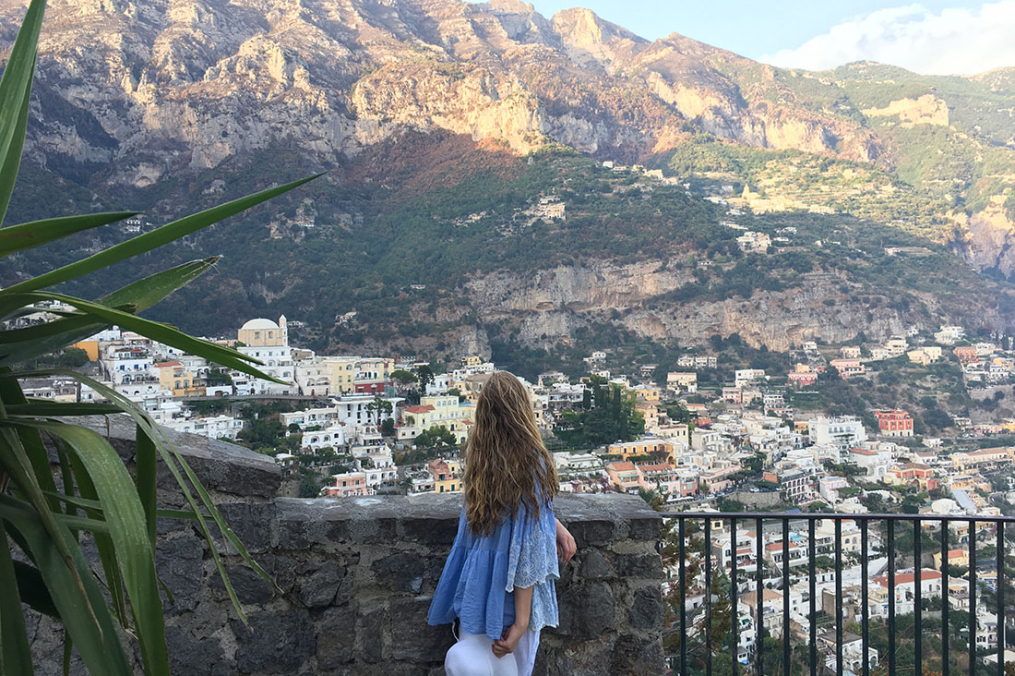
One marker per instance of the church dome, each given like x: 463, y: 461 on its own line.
x: 259, y: 324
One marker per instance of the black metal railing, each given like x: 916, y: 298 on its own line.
x: 696, y: 621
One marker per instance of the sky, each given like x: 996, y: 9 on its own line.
x: 938, y: 37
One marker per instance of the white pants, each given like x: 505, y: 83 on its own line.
x: 473, y: 655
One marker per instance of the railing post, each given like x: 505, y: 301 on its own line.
x: 785, y: 597
x: 708, y: 597
x: 1000, y: 598
x: 838, y: 596
x: 944, y: 598
x: 683, y: 596
x: 917, y: 597
x: 812, y: 554
x: 733, y: 595
x: 759, y: 642
x: 891, y: 597
x: 972, y: 596
x: 864, y: 598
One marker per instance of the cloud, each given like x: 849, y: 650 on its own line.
x: 950, y: 42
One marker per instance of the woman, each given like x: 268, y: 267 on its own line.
x: 498, y: 579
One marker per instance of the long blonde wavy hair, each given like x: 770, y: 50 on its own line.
x: 506, y: 463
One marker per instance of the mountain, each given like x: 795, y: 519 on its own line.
x: 444, y: 122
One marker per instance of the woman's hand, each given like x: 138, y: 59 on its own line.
x: 566, y: 546
x: 507, y: 645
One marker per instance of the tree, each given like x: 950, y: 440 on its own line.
x: 217, y: 377
x: 378, y: 407
x: 435, y: 437
x: 677, y: 412
x: 756, y: 463
x: 70, y: 356
x: 388, y: 427
x: 425, y: 375
x: 403, y: 377
x: 309, y: 488
x: 611, y: 418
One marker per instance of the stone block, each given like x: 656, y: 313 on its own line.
x: 320, y: 589
x: 430, y: 530
x: 336, y: 637
x: 586, y: 610
x: 180, y: 564
x: 250, y: 587
x: 412, y: 639
x: 251, y: 522
x: 636, y: 655
x: 575, y: 658
x: 276, y: 643
x: 641, y: 566
x: 373, y: 531
x: 646, y: 612
x: 282, y: 569
x: 593, y: 565
x: 195, y: 656
x: 646, y: 528
x: 593, y: 532
x: 370, y: 634
x: 401, y: 571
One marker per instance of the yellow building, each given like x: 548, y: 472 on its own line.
x: 343, y: 374
x: 91, y: 348
x: 629, y: 449
x: 650, y: 411
x: 647, y: 393
x: 359, y: 375
x: 264, y: 333
x: 956, y: 557
x: 175, y: 378
x: 434, y: 411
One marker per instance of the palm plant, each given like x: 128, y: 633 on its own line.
x: 43, y: 518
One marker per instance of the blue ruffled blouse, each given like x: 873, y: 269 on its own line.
x: 481, y: 572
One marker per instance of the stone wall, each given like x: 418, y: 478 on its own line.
x: 354, y: 578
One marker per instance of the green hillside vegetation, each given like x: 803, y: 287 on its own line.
x: 806, y: 180
x: 413, y: 238
x: 927, y: 172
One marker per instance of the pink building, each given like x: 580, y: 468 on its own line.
x: 626, y: 477
x: 348, y: 484
x: 848, y: 368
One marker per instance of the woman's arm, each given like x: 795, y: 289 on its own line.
x: 566, y: 546
x: 514, y: 633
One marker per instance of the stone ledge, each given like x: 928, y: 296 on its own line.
x: 355, y: 577
x: 221, y: 466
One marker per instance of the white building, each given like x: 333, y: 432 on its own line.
x: 268, y: 342
x: 843, y: 433
x: 216, y: 427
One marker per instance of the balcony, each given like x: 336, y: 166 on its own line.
x: 873, y: 610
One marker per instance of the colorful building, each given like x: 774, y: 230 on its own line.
x: 894, y: 423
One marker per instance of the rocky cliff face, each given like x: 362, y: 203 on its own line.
x: 141, y: 98
x: 985, y: 240
x: 546, y: 308
x: 160, y: 86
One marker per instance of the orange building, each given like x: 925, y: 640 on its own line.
x: 894, y: 423
x: 966, y: 355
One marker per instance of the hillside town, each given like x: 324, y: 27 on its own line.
x: 357, y: 426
